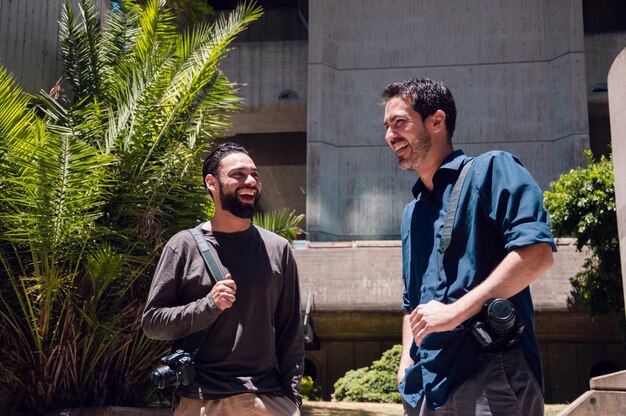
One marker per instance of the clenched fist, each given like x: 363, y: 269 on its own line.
x: 224, y: 292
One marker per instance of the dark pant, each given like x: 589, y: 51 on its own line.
x: 505, y: 386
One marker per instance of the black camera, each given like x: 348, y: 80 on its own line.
x: 497, y: 326
x: 178, y: 368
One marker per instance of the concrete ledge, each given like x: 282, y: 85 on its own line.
x: 615, y: 381
x: 367, y: 275
x: 607, y: 397
x: 597, y: 403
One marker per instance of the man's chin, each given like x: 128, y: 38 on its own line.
x: 405, y: 164
x: 245, y: 211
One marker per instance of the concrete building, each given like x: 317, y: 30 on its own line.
x: 528, y: 76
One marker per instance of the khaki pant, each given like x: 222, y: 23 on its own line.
x: 245, y: 404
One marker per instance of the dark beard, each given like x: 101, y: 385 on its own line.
x: 231, y: 204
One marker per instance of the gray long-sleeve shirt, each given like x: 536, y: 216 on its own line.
x: 256, y: 345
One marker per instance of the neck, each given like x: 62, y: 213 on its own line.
x: 427, y: 172
x: 225, y: 222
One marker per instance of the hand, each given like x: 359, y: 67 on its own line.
x: 432, y: 317
x: 224, y: 292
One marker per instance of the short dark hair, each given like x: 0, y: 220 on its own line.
x: 427, y: 96
x: 212, y: 162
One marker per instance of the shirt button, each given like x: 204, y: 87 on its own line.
x: 424, y: 354
x: 423, y: 290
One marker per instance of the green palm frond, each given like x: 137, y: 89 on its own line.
x: 117, y: 34
x: 91, y: 185
x: 15, y: 116
x: 79, y: 38
x: 58, y: 191
x: 282, y: 222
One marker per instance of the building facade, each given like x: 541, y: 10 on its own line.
x: 529, y: 77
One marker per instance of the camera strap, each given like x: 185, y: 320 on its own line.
x: 448, y: 224
x: 212, y: 264
x: 207, y: 254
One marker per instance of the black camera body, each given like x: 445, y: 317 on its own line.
x: 497, y: 326
x: 178, y: 368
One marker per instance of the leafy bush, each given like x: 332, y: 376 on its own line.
x: 309, y: 390
x: 376, y: 383
x: 582, y: 205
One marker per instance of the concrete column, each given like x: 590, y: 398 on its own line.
x: 617, y: 110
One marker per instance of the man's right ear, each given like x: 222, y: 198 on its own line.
x: 210, y: 182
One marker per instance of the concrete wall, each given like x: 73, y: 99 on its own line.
x: 264, y: 70
x: 601, y: 49
x: 517, y: 71
x: 617, y: 105
x: 367, y: 276
x: 28, y: 41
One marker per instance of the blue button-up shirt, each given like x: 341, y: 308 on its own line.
x: 500, y: 209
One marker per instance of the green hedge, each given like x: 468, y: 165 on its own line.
x: 376, y: 383
x: 582, y: 205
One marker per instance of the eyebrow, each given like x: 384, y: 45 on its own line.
x: 393, y: 118
x: 242, y: 168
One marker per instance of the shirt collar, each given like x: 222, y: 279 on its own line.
x: 454, y: 162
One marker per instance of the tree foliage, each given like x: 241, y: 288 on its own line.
x: 93, y: 179
x: 187, y: 12
x: 375, y: 383
x: 582, y: 205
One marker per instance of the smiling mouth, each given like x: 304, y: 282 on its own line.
x: 397, y: 147
x: 247, y: 194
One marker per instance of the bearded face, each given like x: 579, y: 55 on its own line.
x: 242, y: 202
x: 406, y: 134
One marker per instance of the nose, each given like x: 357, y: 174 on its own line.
x: 390, y: 134
x: 251, y: 180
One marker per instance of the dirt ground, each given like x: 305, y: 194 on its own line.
x: 376, y: 409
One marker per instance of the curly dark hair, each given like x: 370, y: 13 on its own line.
x: 426, y: 96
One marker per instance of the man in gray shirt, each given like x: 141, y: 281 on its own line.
x: 248, y: 326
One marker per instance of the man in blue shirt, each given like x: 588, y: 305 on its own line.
x: 500, y: 243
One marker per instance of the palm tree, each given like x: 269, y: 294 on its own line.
x: 92, y: 182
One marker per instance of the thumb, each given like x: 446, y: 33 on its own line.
x: 228, y: 277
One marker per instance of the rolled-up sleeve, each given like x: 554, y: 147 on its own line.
x: 514, y: 202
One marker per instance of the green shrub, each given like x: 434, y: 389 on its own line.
x: 582, y: 205
x: 376, y: 383
x: 309, y: 390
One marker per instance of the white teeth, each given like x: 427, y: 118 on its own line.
x: 399, y: 146
x: 247, y: 192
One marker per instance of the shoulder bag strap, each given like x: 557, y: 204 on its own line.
x: 448, y: 224
x: 215, y: 271
x: 207, y: 254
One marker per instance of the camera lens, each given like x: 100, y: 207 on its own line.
x: 501, y: 315
x: 164, y: 377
